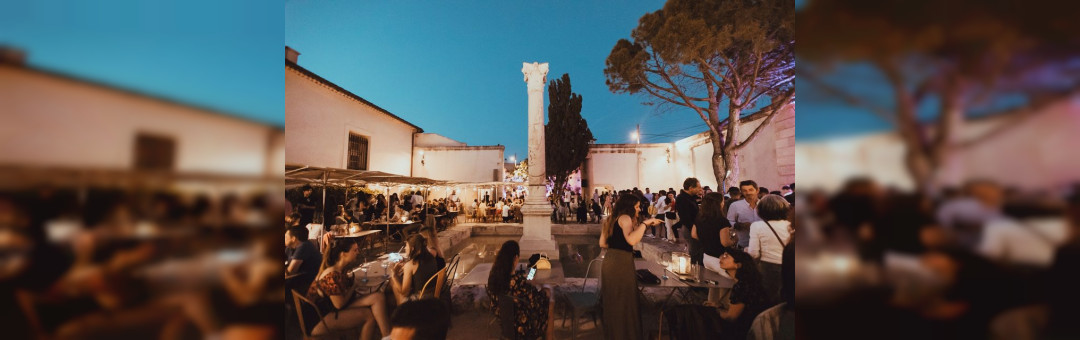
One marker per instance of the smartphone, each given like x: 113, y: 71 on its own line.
x: 532, y: 273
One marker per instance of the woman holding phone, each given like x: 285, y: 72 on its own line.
x: 620, y: 232
x: 530, y: 304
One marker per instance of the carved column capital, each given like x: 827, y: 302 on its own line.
x: 535, y: 75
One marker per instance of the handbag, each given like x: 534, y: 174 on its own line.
x: 644, y: 276
x: 542, y: 263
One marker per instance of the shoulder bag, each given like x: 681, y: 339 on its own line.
x: 774, y: 234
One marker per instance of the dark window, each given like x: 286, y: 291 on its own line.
x: 154, y: 152
x: 358, y: 152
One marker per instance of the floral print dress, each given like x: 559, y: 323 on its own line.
x: 531, y: 306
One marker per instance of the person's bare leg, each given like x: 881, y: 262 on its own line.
x: 196, y: 306
x: 342, y: 320
x: 367, y: 330
x: 378, y: 307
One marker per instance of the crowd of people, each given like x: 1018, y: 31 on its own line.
x: 711, y: 225
x: 980, y: 261
x: 362, y: 206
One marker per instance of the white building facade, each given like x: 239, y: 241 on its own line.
x: 1034, y: 154
x: 55, y: 121
x: 769, y: 160
x: 329, y: 126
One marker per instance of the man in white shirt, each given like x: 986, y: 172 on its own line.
x: 417, y: 200
x: 744, y: 212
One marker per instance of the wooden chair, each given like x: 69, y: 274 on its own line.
x: 299, y: 301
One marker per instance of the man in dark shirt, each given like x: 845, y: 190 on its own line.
x: 303, y: 257
x: 687, y: 208
x: 306, y: 206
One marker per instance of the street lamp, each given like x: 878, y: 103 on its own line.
x: 636, y: 135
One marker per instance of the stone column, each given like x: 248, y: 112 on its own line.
x: 536, y: 231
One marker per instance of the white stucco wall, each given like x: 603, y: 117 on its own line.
x: 50, y: 121
x: 459, y: 163
x: 614, y: 169
x: 434, y: 139
x: 769, y: 159
x: 1035, y: 154
x: 319, y: 119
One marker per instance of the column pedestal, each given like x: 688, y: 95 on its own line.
x: 536, y: 230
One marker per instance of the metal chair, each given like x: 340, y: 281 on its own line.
x: 452, y: 270
x: 581, y: 303
x: 439, y: 278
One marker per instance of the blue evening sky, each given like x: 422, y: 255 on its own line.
x: 455, y: 68
x: 222, y: 55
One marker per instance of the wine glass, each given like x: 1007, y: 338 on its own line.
x: 384, y: 265
x: 665, y: 260
x: 364, y: 268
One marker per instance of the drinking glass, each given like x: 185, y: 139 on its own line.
x: 665, y: 260
x: 384, y: 265
x: 364, y: 268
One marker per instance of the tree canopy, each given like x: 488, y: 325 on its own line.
x: 700, y: 54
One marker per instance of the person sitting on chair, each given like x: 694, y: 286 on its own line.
x: 333, y: 292
x: 530, y: 304
x: 414, y: 273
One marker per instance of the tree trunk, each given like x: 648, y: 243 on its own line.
x: 722, y: 161
x: 557, y: 188
x: 920, y: 168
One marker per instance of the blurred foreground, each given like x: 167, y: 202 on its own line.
x: 105, y: 262
x: 938, y: 197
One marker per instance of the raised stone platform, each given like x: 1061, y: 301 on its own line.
x: 458, y: 235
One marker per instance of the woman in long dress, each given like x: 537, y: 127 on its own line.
x: 620, y: 232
